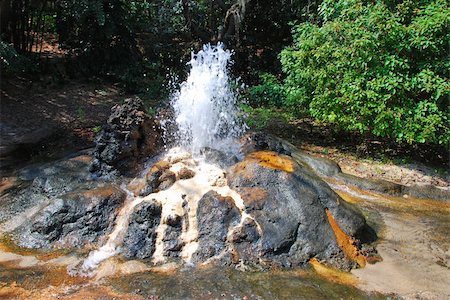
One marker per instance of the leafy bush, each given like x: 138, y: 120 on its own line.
x: 269, y: 93
x: 374, y: 68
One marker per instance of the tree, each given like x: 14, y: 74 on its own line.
x: 375, y: 68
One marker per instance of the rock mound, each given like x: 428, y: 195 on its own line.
x: 74, y: 219
x: 129, y: 137
x: 140, y: 239
x: 297, y: 215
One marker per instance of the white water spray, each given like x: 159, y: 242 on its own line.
x: 205, y: 106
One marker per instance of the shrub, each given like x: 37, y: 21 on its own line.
x: 269, y: 92
x: 374, y: 69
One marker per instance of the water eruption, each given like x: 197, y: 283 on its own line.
x: 206, y: 111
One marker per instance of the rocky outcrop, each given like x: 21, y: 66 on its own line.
x: 74, y: 219
x: 289, y: 203
x: 139, y: 241
x: 129, y: 137
x: 216, y: 215
x: 36, y: 185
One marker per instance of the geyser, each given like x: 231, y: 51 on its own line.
x: 206, y: 112
x: 261, y: 207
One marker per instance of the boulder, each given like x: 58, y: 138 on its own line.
x: 299, y: 217
x: 39, y: 184
x: 216, y: 215
x: 139, y: 241
x: 74, y: 219
x: 158, y: 178
x: 129, y: 137
x: 256, y: 141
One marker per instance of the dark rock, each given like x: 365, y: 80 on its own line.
x: 215, y: 216
x: 41, y: 183
x: 166, y: 180
x: 74, y: 219
x: 218, y: 157
x: 289, y: 203
x: 186, y: 173
x: 259, y: 141
x: 375, y: 185
x: 139, y: 241
x: 245, y: 241
x: 427, y: 192
x: 129, y: 137
x: 172, y: 237
x: 157, y: 174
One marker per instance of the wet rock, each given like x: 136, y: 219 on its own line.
x: 139, y: 241
x: 186, y: 173
x: 158, y: 178
x: 245, y: 241
x: 376, y: 185
x: 256, y: 141
x: 427, y: 192
x: 218, y: 157
x: 74, y: 219
x: 172, y: 236
x: 166, y: 180
x: 259, y: 141
x: 289, y: 203
x: 129, y: 137
x: 216, y: 215
x: 40, y: 183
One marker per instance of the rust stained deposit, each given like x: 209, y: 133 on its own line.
x: 346, y: 243
x: 333, y: 274
x: 158, y: 167
x: 103, y: 192
x: 253, y: 194
x: 273, y: 160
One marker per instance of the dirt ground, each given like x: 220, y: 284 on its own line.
x: 43, y: 120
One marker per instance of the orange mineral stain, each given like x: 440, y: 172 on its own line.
x: 273, y: 160
x: 333, y: 274
x: 346, y: 243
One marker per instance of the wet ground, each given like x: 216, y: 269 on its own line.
x: 413, y: 245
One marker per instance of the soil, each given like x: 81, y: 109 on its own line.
x: 41, y: 119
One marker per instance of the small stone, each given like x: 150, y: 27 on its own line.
x: 186, y: 173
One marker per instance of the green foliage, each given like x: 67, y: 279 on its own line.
x: 371, y: 68
x: 13, y: 63
x: 101, y: 32
x: 257, y: 118
x: 269, y: 92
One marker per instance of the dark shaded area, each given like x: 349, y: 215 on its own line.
x: 215, y: 216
